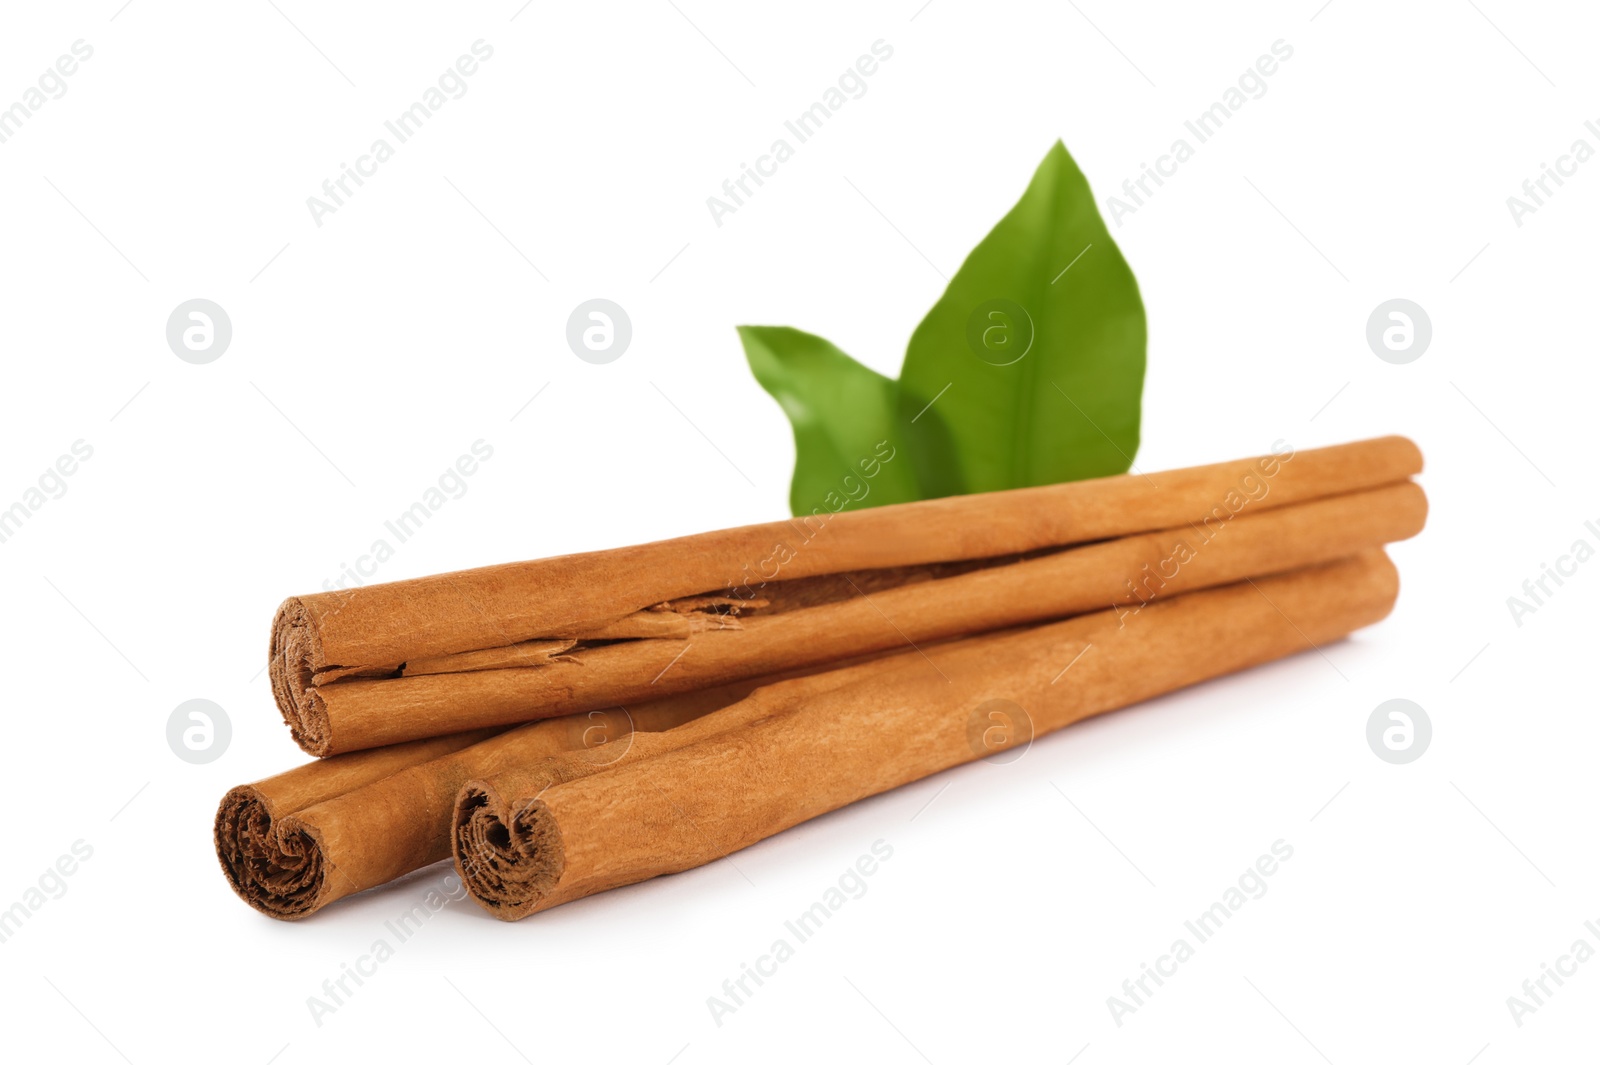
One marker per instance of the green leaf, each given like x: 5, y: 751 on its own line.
x: 1047, y: 294
x: 849, y: 452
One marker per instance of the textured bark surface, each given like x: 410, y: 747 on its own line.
x: 390, y: 663
x: 528, y: 840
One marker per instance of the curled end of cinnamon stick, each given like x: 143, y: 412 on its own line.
x: 295, y: 658
x: 510, y: 860
x: 276, y: 867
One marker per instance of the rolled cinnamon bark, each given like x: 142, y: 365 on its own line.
x: 773, y: 760
x: 292, y: 843
x: 805, y: 622
x: 326, y: 648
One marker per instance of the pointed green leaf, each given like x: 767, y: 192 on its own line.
x: 848, y: 451
x: 1034, y: 357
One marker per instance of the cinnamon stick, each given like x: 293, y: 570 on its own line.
x: 295, y: 842
x: 804, y: 621
x: 780, y: 757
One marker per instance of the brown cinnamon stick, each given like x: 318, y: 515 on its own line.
x: 350, y: 637
x: 782, y: 756
x: 917, y: 604
x: 292, y: 843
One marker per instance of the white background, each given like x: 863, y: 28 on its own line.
x: 370, y: 352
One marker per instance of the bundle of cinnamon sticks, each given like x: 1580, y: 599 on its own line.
x: 572, y: 724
